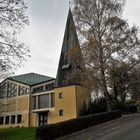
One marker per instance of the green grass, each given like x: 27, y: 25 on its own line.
x: 17, y: 134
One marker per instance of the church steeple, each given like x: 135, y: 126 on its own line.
x: 70, y: 54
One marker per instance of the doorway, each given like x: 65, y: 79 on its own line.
x: 43, y: 118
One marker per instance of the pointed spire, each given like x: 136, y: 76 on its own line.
x: 70, y: 42
x: 69, y: 4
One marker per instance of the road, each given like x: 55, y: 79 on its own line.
x: 125, y: 128
x: 128, y: 131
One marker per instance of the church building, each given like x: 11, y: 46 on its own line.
x: 32, y: 100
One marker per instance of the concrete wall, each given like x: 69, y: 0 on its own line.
x: 67, y: 104
x: 82, y: 98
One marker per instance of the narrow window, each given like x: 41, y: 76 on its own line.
x: 13, y: 119
x: 52, y: 100
x: 7, y: 120
x: 60, y: 95
x: 19, y: 91
x: 34, y: 102
x: 1, y: 120
x: 61, y: 112
x: 19, y: 118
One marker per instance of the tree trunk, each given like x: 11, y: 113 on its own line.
x: 105, y: 91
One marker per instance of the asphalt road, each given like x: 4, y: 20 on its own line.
x: 127, y: 131
x: 125, y: 128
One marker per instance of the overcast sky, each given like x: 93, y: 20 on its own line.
x: 45, y: 33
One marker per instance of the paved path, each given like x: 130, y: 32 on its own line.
x: 125, y: 128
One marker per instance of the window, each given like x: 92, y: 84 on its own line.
x: 1, y: 120
x: 3, y: 91
x: 43, y: 101
x: 34, y: 102
x: 19, y: 118
x: 23, y: 90
x: 7, y: 120
x: 11, y: 90
x: 13, y: 119
x: 52, y: 99
x: 61, y: 112
x: 49, y: 87
x: 38, y: 89
x: 60, y: 95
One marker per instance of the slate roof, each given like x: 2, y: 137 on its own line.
x: 31, y: 78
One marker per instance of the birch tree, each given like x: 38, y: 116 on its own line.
x: 106, y: 39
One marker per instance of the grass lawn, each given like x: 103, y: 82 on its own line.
x: 17, y: 134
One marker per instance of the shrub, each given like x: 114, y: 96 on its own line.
x: 128, y: 107
x: 97, y: 106
x: 53, y: 131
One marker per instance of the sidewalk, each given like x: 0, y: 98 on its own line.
x: 98, y: 130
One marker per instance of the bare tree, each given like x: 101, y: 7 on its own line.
x: 105, y: 38
x: 135, y: 85
x: 12, y: 20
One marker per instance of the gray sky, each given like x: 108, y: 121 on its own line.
x: 45, y: 33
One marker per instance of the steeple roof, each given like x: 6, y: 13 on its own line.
x: 70, y: 48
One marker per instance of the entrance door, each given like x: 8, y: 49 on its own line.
x: 43, y: 119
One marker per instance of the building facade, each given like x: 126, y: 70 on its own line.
x: 32, y: 100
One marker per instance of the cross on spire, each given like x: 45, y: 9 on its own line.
x: 69, y: 4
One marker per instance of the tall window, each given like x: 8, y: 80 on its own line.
x: 1, y: 120
x: 52, y: 100
x: 2, y: 91
x: 43, y: 101
x: 19, y: 118
x: 7, y: 120
x: 13, y: 119
x: 12, y: 90
x: 34, y: 102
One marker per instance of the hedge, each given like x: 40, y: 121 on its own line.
x: 56, y: 130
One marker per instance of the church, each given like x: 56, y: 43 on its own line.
x: 32, y: 100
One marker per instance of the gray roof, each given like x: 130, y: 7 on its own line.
x: 31, y: 78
